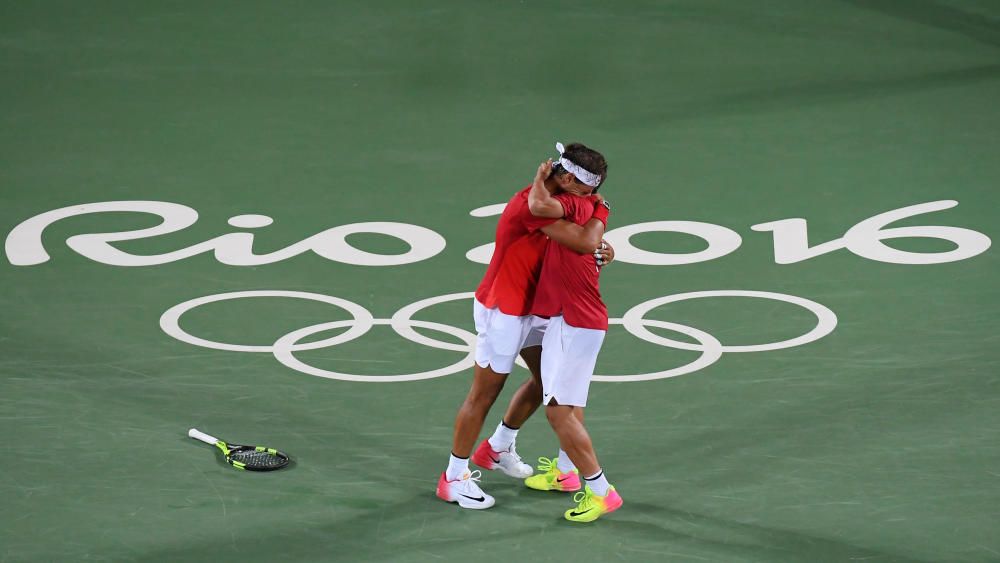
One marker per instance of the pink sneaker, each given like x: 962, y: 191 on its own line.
x: 507, y: 461
x: 464, y: 491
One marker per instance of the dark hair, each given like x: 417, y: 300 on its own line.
x: 588, y: 158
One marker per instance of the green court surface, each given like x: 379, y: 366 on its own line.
x: 879, y: 441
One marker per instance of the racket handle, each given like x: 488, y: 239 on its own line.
x: 199, y: 435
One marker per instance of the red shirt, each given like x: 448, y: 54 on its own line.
x: 512, y: 275
x: 569, y: 284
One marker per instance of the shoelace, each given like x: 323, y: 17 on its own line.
x: 545, y: 464
x: 513, y: 451
x: 584, y: 500
x: 469, y: 483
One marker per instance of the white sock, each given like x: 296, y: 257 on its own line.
x: 598, y: 483
x: 457, y: 466
x: 503, y: 437
x: 564, y: 463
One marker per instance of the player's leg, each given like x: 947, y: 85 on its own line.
x: 568, y: 360
x: 573, y: 436
x: 457, y: 483
x: 499, y: 451
x: 486, y: 387
x: 599, y: 497
x: 497, y: 343
x: 526, y: 400
x: 558, y: 473
x: 528, y: 396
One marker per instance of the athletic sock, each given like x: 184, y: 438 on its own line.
x: 598, y: 483
x: 564, y: 463
x: 503, y: 437
x: 457, y: 466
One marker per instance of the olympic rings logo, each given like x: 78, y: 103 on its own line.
x: 403, y: 323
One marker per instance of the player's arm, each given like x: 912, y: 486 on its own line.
x: 540, y: 201
x: 583, y: 240
x: 586, y: 239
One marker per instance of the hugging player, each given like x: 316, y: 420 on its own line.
x: 505, y: 328
x: 568, y: 295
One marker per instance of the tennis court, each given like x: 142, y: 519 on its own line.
x: 329, y: 173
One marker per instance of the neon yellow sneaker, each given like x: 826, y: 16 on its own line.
x: 551, y: 479
x: 591, y: 507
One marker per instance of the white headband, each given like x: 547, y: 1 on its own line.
x: 582, y: 174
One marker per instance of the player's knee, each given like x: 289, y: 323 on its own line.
x: 484, y: 394
x: 556, y: 415
x: 532, y: 385
x: 533, y: 388
x: 482, y: 398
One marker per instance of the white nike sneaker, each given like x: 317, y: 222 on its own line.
x: 464, y: 491
x: 507, y: 461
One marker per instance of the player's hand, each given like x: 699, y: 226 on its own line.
x: 605, y: 254
x: 544, y: 170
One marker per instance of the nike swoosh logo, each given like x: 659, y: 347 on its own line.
x: 479, y: 499
x: 497, y: 460
x: 576, y: 513
x: 561, y: 479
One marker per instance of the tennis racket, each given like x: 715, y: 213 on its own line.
x: 250, y: 458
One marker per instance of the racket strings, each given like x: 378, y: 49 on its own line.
x: 258, y: 459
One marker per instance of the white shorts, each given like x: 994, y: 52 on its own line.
x: 500, y: 337
x: 569, y: 355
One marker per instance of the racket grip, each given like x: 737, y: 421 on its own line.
x: 199, y: 435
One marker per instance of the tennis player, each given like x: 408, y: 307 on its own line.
x: 505, y: 328
x: 568, y: 295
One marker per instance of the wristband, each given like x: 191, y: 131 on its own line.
x: 601, y: 212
